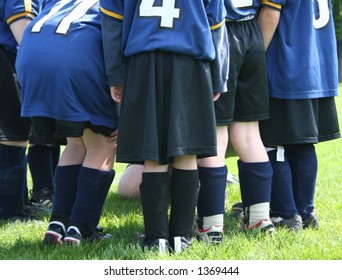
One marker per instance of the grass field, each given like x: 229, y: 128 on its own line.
x: 123, y: 218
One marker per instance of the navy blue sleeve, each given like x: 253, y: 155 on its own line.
x: 220, y: 65
x: 114, y: 60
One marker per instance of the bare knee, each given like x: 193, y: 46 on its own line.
x: 130, y: 180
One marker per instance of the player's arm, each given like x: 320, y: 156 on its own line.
x: 111, y: 36
x: 220, y: 66
x: 19, y: 14
x: 268, y: 20
x: 18, y: 27
x: 216, y: 14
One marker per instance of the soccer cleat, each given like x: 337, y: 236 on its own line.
x: 24, y: 213
x: 23, y: 218
x: 44, y: 197
x: 232, y: 179
x: 36, y: 208
x: 55, y: 233
x: 295, y: 223
x: 98, y: 235
x: 237, y: 210
x: 265, y: 225
x: 237, y: 207
x: 159, y: 245
x: 211, y: 235
x: 311, y: 221
x: 74, y: 237
x: 179, y: 243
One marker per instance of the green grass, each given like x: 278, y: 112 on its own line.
x: 123, y: 218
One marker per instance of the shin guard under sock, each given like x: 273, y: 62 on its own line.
x: 212, y: 193
x: 65, y: 191
x: 55, y: 156
x: 12, y: 180
x: 92, y: 189
x: 282, y: 198
x: 184, y: 195
x: 154, y: 190
x: 11, y: 191
x: 255, y: 185
x: 40, y: 162
x: 303, y: 162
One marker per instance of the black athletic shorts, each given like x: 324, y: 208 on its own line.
x: 247, y: 96
x: 12, y: 126
x: 47, y: 131
x: 167, y: 109
x: 300, y: 121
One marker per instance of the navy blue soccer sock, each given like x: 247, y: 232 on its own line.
x: 41, y: 167
x: 92, y: 189
x: 212, y: 191
x: 255, y: 182
x: 65, y: 192
x: 303, y: 162
x: 12, y: 179
x: 154, y: 190
x: 282, y: 198
x: 25, y: 189
x: 255, y: 186
x: 55, y: 156
x: 12, y: 156
x: 184, y: 195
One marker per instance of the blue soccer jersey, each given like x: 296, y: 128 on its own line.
x: 10, y: 11
x: 241, y: 9
x: 60, y: 65
x: 308, y: 70
x: 180, y: 26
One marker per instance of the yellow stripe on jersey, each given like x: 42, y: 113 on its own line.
x: 111, y: 14
x: 271, y: 4
x: 217, y: 25
x: 20, y: 15
x: 28, y: 6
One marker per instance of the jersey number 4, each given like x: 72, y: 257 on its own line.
x: 167, y: 11
x: 242, y: 3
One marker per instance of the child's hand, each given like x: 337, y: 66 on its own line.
x: 216, y: 96
x: 116, y: 93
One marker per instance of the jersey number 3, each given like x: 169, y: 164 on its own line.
x: 322, y: 17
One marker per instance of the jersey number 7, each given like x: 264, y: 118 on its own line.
x: 64, y: 25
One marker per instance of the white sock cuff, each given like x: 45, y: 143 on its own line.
x: 259, y: 212
x: 260, y: 207
x: 215, y: 220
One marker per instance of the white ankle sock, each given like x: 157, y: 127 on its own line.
x: 215, y: 220
x: 258, y: 212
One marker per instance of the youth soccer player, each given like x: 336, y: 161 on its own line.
x: 174, y: 54
x: 65, y: 92
x: 239, y: 113
x: 15, y: 15
x: 303, y: 82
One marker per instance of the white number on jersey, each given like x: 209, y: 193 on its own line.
x: 324, y: 14
x: 242, y: 3
x: 167, y: 12
x: 80, y: 9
